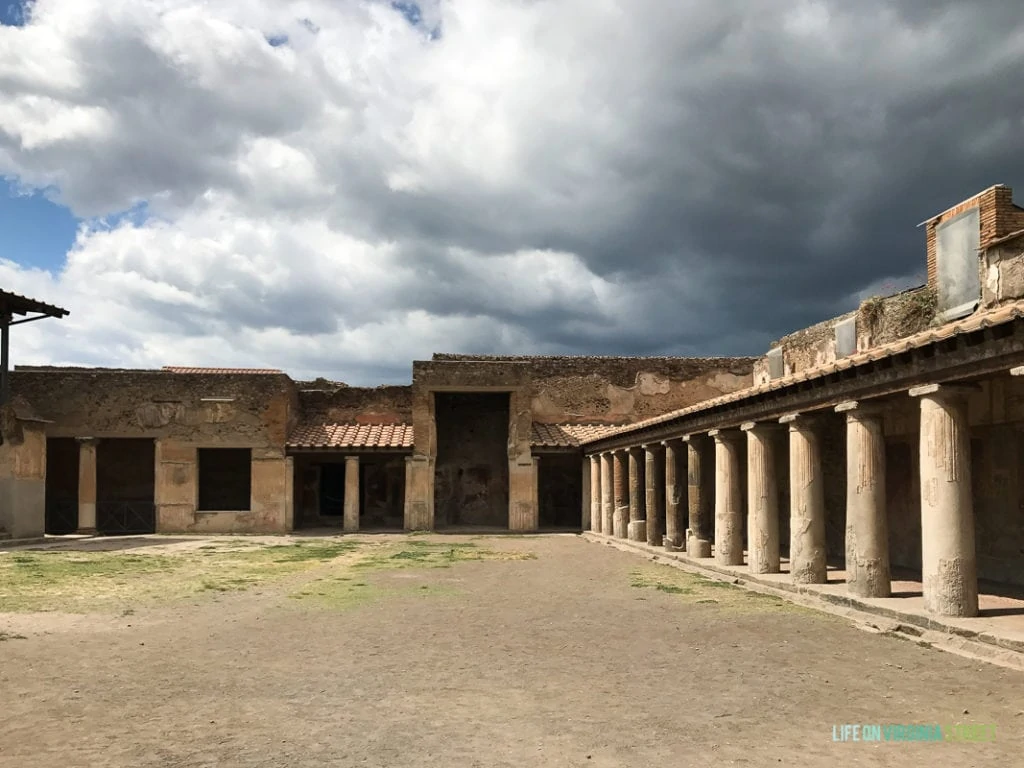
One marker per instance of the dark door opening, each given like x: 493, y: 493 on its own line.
x: 471, y: 472
x: 382, y: 493
x: 61, y: 485
x: 125, y: 483
x: 332, y: 490
x: 560, y: 491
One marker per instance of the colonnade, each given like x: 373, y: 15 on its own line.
x: 635, y: 487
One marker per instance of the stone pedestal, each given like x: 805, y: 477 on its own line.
x: 728, y: 498
x: 595, y: 494
x: 867, y: 528
x: 87, y: 485
x: 351, y: 503
x: 637, y: 499
x: 654, y: 495
x: 675, y: 474
x: 607, y: 495
x: 620, y: 492
x: 948, y: 560
x: 762, y: 499
x: 807, y: 549
x: 699, y: 503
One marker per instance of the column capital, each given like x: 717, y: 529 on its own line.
x: 695, y: 437
x: 725, y: 435
x: 88, y: 440
x: 759, y: 426
x: 855, y: 409
x: 655, y: 446
x: 802, y: 420
x: 1018, y: 371
x: 952, y: 389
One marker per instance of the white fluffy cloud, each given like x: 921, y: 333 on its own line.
x: 503, y: 176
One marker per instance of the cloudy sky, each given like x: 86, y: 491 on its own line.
x: 337, y: 187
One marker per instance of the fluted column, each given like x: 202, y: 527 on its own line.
x: 607, y: 495
x: 350, y: 520
x: 675, y: 479
x: 87, y: 484
x: 762, y: 499
x: 595, y: 494
x: 949, y: 570
x: 807, y: 549
x: 620, y: 466
x: 654, y: 477
x: 699, y: 502
x: 637, y: 498
x: 867, y: 524
x: 728, y: 498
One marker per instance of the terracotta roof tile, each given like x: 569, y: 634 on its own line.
x: 334, y: 436
x: 187, y: 369
x: 1004, y: 314
x: 567, y: 435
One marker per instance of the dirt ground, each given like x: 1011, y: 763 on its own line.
x: 451, y: 651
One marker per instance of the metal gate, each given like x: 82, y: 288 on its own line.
x: 118, y: 518
x: 61, y: 514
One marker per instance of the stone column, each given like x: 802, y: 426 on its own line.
x: 867, y: 525
x: 675, y: 523
x: 948, y: 561
x: 351, y: 504
x: 607, y: 495
x: 620, y: 492
x: 807, y: 550
x: 596, y: 504
x: 654, y: 476
x: 699, y: 501
x: 728, y: 498
x: 585, y: 496
x: 637, y: 496
x: 762, y: 500
x: 87, y: 484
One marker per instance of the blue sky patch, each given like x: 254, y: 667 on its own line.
x: 12, y: 13
x: 33, y: 230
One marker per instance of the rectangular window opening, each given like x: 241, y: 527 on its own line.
x: 225, y: 479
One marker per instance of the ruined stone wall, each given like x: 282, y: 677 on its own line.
x: 811, y: 346
x: 357, y: 405
x: 181, y: 413
x: 883, y: 320
x: 1002, y: 273
x: 613, y: 390
x: 22, y: 476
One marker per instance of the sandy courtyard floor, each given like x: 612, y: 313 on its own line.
x: 452, y: 651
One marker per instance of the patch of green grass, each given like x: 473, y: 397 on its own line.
x: 428, y: 554
x: 696, y: 589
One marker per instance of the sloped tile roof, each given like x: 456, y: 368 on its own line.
x: 21, y: 305
x: 334, y: 436
x: 567, y: 435
x: 186, y: 369
x: 975, y: 322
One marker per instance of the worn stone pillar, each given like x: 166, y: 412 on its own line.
x: 949, y: 570
x: 351, y: 503
x: 699, y: 503
x: 728, y: 498
x: 620, y: 491
x: 595, y: 494
x: 637, y: 530
x: 87, y: 484
x: 762, y: 499
x: 675, y: 522
x: 654, y: 478
x: 807, y: 550
x: 584, y: 495
x: 607, y: 494
x: 867, y: 525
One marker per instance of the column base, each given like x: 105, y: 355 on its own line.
x: 86, y: 532
x: 637, y: 530
x: 698, y: 547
